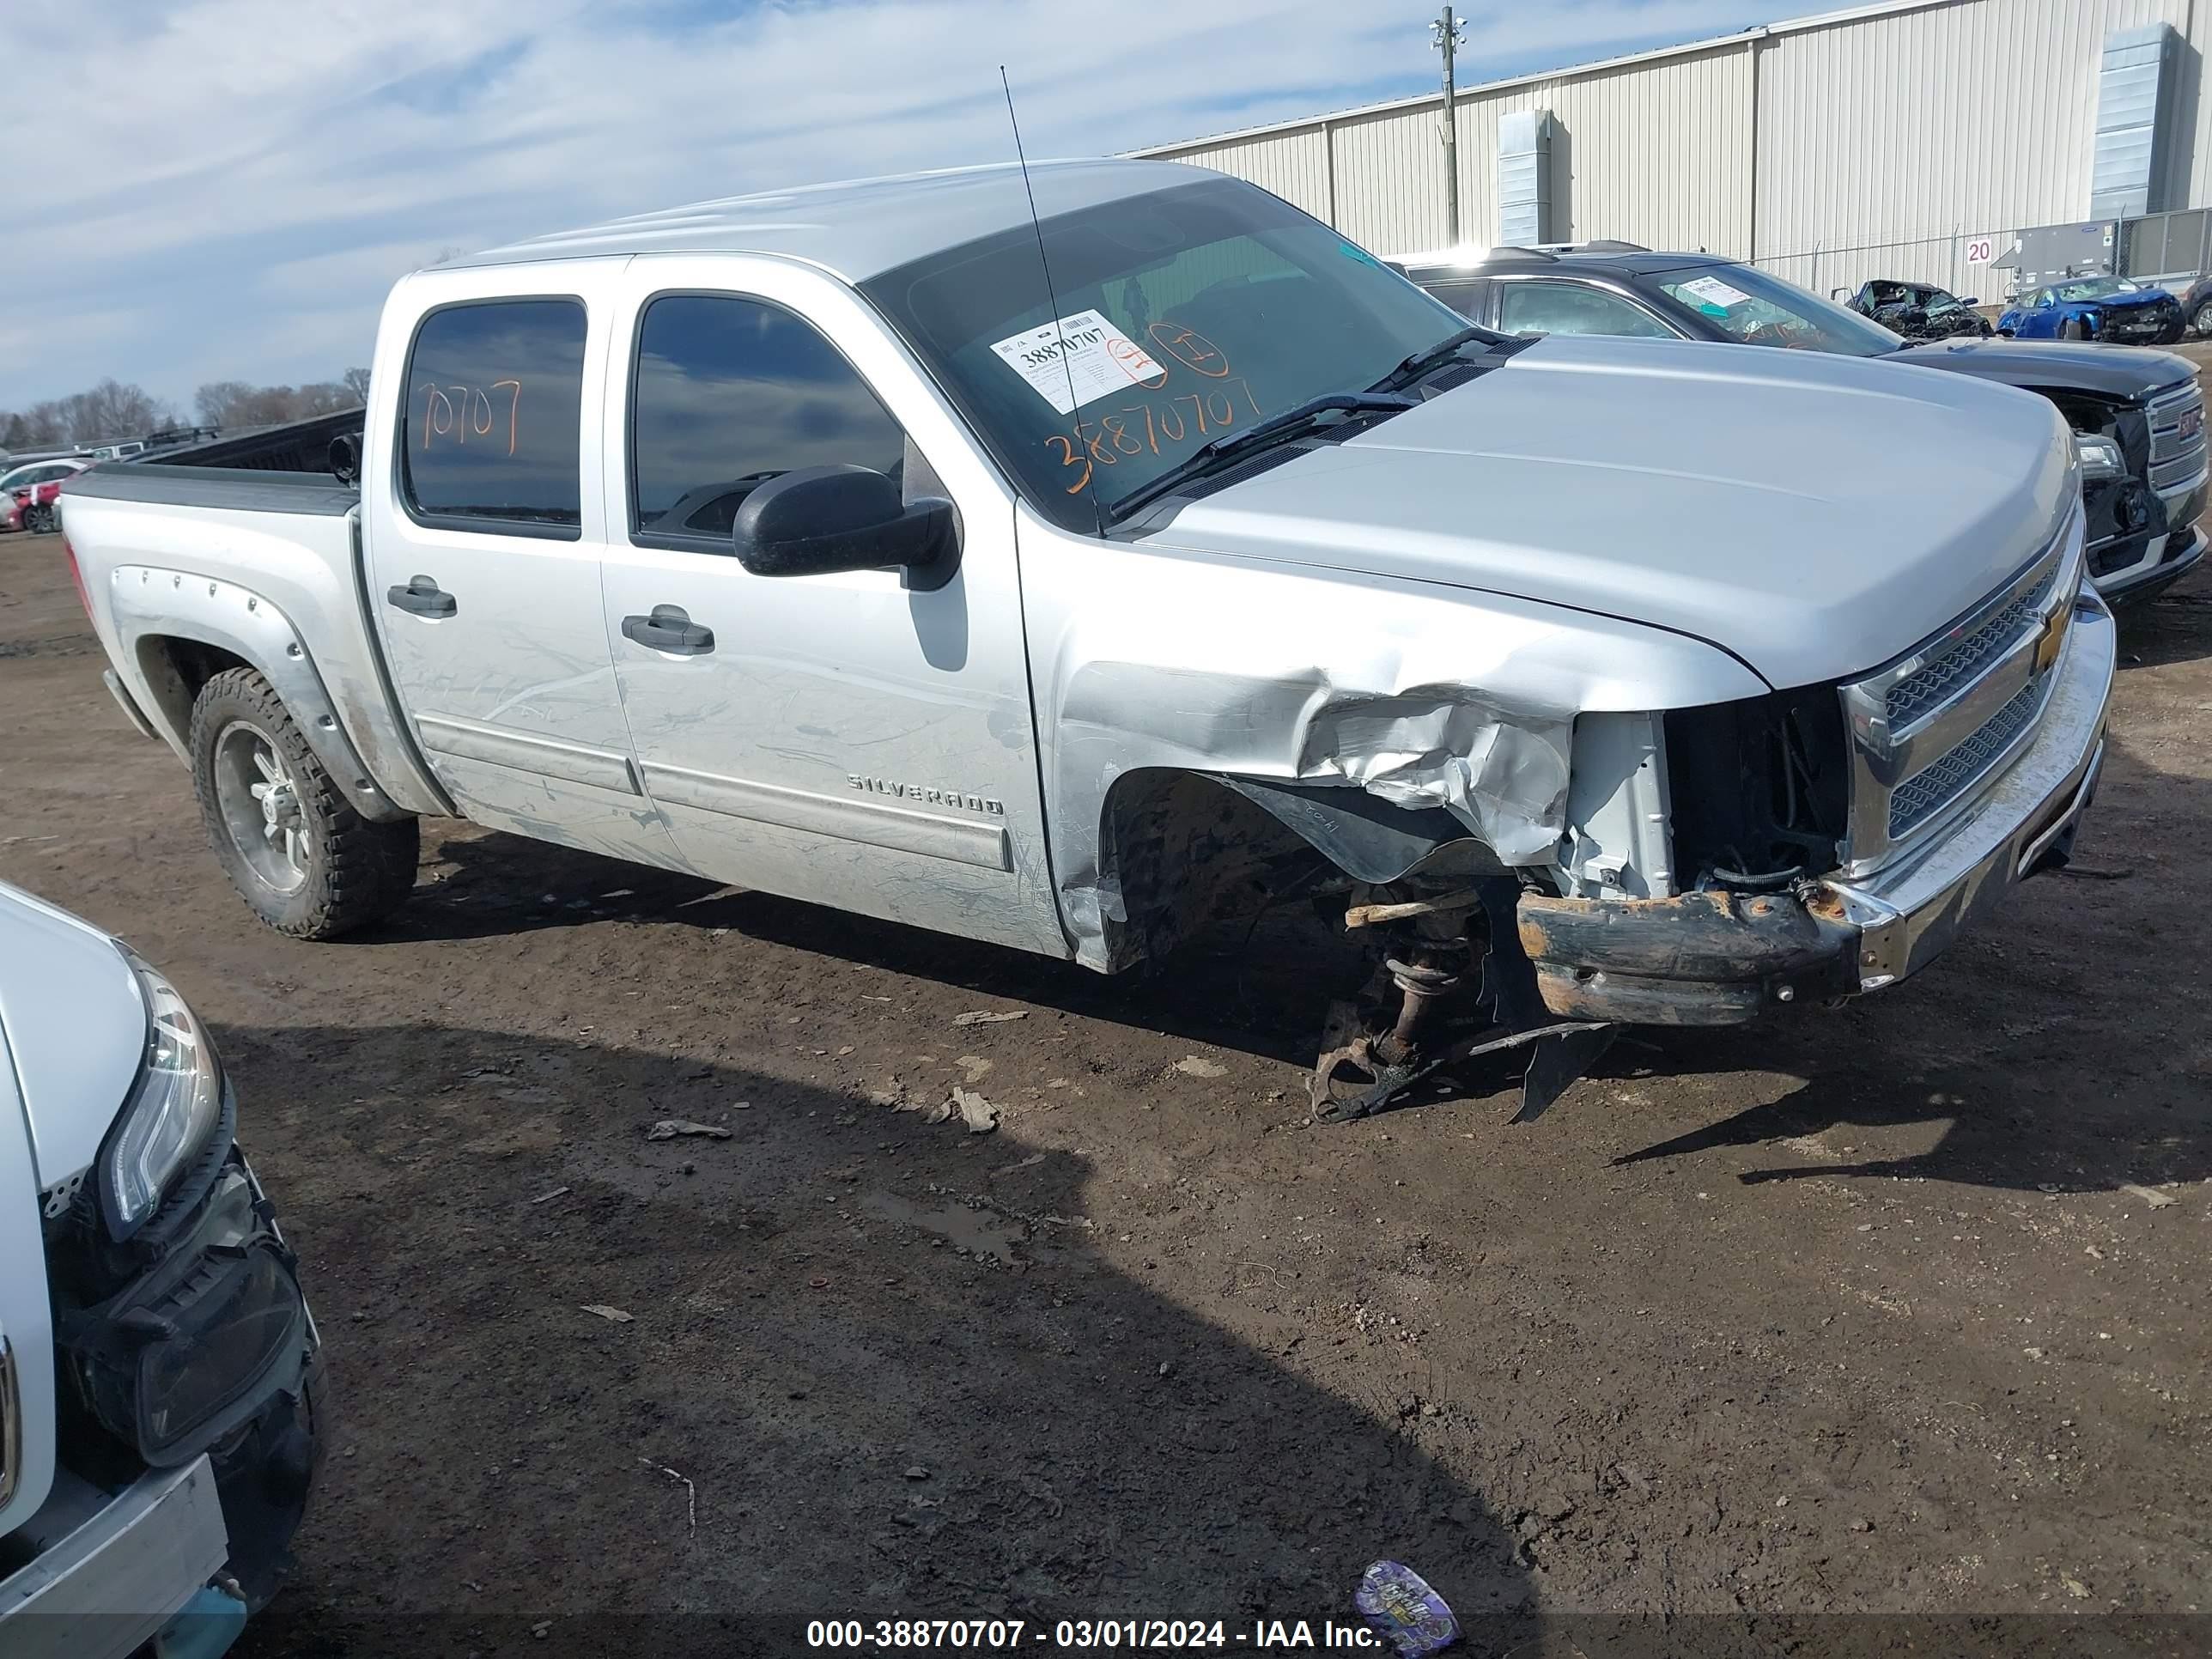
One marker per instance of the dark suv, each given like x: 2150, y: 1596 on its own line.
x: 2137, y: 414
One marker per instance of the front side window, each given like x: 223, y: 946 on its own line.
x: 1571, y: 308
x: 1184, y: 315
x: 495, y: 394
x: 728, y: 393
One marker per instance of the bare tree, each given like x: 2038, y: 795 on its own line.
x: 217, y: 402
x: 356, y: 383
x: 111, y: 411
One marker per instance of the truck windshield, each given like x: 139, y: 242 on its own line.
x: 1184, y: 315
x: 1757, y: 309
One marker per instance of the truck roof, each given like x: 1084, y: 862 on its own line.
x: 860, y: 227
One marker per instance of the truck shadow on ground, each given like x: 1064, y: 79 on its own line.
x: 2174, y: 627
x: 2062, y: 1047
x: 1260, y: 986
x: 904, y: 1370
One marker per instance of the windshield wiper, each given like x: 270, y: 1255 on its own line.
x: 1276, y: 429
x: 1429, y: 357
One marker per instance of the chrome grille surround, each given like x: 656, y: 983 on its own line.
x: 2176, y: 440
x: 1926, y: 790
x: 11, y: 1424
x: 1956, y: 665
x: 1930, y: 727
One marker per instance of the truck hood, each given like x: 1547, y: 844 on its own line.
x: 75, y: 1026
x: 1812, y: 515
x: 2112, y: 371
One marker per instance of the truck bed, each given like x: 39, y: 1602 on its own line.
x: 189, y: 566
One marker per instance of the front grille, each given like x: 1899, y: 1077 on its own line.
x: 1924, y: 739
x: 2177, y: 438
x: 2140, y: 322
x: 1933, y: 683
x: 1928, y: 790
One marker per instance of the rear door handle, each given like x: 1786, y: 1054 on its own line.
x: 424, y: 597
x: 670, y: 629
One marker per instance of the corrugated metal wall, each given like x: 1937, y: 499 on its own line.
x: 1876, y: 143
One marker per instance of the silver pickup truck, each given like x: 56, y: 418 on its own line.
x: 1073, y: 581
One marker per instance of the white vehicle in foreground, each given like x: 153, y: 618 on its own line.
x: 157, y: 1425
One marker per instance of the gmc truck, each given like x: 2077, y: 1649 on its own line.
x: 1074, y: 576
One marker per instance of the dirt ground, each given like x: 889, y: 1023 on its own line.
x: 1895, y: 1309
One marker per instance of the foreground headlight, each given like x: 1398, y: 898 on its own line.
x: 2100, y: 458
x: 175, y: 1107
x: 202, y: 1342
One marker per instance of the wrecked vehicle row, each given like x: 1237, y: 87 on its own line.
x: 1074, y: 583
x: 2137, y: 416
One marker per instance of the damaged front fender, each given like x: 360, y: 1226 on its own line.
x: 1453, y: 707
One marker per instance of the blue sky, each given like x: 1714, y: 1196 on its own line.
x: 224, y: 189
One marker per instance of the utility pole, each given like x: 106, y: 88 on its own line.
x: 1448, y: 34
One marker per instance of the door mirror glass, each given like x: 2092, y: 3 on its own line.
x: 821, y: 520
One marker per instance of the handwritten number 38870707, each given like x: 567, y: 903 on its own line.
x: 1140, y: 428
x: 470, y: 412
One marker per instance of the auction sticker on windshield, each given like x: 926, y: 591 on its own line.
x: 1098, y: 361
x: 1714, y: 291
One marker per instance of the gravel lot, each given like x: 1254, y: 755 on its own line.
x: 1898, y: 1309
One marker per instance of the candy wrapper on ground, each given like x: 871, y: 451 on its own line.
x: 1399, y: 1603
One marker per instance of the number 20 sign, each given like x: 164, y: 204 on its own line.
x: 1978, y: 250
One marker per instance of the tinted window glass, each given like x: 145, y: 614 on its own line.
x: 1465, y: 298
x: 1567, y: 308
x: 730, y: 392
x: 494, y: 394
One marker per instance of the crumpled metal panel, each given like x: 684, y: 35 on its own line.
x: 1424, y: 694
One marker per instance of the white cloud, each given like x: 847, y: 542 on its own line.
x: 244, y: 178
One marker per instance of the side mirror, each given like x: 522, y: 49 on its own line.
x: 1971, y: 300
x: 820, y: 519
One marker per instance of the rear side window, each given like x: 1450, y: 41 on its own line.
x: 729, y: 392
x: 493, y: 395
x: 1465, y: 298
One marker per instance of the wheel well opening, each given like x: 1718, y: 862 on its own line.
x: 1180, y: 852
x: 176, y: 669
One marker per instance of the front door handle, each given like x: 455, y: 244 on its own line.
x: 424, y: 597
x: 670, y: 629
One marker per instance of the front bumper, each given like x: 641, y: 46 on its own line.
x: 1722, y: 958
x: 2165, y: 560
x: 119, y: 1577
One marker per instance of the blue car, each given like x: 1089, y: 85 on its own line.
x: 2095, y: 308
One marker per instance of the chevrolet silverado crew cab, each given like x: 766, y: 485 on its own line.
x: 2137, y: 416
x: 157, y: 1421
x: 1073, y: 582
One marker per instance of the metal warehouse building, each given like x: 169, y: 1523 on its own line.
x: 1910, y: 138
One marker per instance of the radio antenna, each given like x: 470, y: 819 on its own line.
x: 1075, y: 422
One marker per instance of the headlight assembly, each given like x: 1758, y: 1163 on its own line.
x: 174, y: 1109
x: 2099, y: 456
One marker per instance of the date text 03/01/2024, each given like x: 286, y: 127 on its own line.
x: 1017, y: 1635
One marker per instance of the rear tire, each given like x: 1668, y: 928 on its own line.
x: 303, y: 859
x: 40, y: 520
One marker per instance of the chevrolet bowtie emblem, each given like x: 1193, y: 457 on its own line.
x: 2053, y: 638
